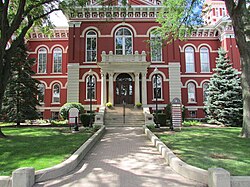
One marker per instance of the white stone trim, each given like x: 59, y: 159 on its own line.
x: 86, y: 74
x: 191, y: 80
x: 49, y: 76
x: 54, y: 82
x: 194, y: 75
x: 57, y: 45
x: 91, y: 28
x: 161, y: 73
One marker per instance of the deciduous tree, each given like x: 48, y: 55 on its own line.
x: 178, y: 16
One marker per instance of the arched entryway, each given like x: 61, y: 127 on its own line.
x: 124, y: 89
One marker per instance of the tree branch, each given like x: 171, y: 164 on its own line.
x: 32, y: 6
x: 17, y: 19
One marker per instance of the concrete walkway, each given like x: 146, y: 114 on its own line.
x: 123, y: 158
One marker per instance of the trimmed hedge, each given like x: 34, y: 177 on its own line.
x: 64, y: 110
x: 85, y: 119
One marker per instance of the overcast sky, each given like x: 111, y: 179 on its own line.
x: 59, y: 19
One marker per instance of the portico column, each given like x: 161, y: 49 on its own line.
x: 103, y: 90
x: 144, y: 89
x: 111, y: 88
x: 137, y: 87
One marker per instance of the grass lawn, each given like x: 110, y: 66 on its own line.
x: 211, y: 147
x: 2, y: 124
x: 37, y: 147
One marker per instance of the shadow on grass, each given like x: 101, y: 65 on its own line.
x: 37, y: 147
x: 211, y: 147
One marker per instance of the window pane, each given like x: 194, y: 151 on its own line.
x: 56, y: 93
x: 191, y: 92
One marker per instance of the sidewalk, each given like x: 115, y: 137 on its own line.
x: 123, y: 158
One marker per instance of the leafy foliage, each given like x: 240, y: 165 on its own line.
x: 20, y: 99
x: 178, y: 18
x: 224, y: 103
x: 64, y: 110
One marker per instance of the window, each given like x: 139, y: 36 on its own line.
x: 156, y: 47
x: 91, y: 87
x: 189, y: 56
x: 157, y: 86
x: 41, y: 89
x: 91, y: 49
x: 204, y: 58
x: 123, y: 42
x: 42, y: 60
x: 205, y: 91
x: 57, y: 56
x: 191, y: 92
x: 56, y: 93
x: 192, y: 114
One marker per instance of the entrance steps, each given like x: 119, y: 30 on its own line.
x: 133, y: 117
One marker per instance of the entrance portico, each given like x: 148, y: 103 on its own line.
x: 125, y: 72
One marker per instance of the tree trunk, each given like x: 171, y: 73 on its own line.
x: 239, y: 15
x: 2, y: 134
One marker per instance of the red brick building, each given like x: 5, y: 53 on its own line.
x: 111, y: 46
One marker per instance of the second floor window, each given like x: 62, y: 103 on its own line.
x: 57, y: 56
x: 204, y: 58
x: 91, y: 47
x: 42, y: 60
x: 123, y: 42
x: 156, y: 48
x: 189, y: 59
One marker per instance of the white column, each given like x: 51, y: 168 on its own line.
x: 103, y: 90
x: 144, y: 89
x: 111, y: 88
x: 137, y: 88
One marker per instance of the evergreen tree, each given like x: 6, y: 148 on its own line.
x: 20, y: 98
x: 224, y: 103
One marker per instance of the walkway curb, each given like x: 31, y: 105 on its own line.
x: 71, y: 163
x: 175, y: 163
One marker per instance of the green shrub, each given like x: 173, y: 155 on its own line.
x: 109, y: 104
x: 162, y: 117
x: 59, y: 122
x: 64, y: 110
x: 151, y: 127
x: 189, y: 123
x: 85, y: 119
x: 138, y: 105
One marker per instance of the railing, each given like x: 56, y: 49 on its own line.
x: 124, y: 58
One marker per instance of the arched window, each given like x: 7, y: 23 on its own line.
x: 204, y: 58
x: 156, y: 47
x: 205, y: 91
x: 91, y: 47
x: 41, y: 89
x: 91, y: 87
x: 157, y: 86
x: 57, y: 56
x: 56, y: 93
x: 42, y: 60
x: 189, y: 57
x: 191, y: 92
x: 123, y: 42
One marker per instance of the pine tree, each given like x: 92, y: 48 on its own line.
x: 20, y: 98
x: 224, y: 103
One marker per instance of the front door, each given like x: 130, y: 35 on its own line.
x: 124, y: 89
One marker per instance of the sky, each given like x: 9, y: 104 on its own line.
x: 59, y: 19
